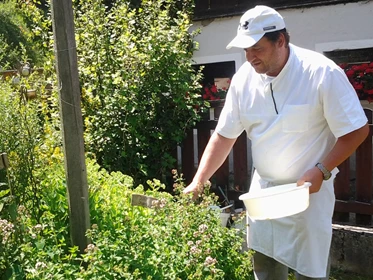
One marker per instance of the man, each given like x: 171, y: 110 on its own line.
x: 304, y: 119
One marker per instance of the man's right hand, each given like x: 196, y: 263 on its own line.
x: 195, y: 187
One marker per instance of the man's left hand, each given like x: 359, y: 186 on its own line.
x: 314, y: 176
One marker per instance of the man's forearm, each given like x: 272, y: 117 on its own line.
x: 214, y: 155
x: 344, y: 147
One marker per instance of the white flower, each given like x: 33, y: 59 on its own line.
x: 194, y: 250
x: 210, y: 261
x: 202, y: 228
x: 40, y: 265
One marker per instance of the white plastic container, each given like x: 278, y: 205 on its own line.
x: 224, y: 216
x: 276, y: 202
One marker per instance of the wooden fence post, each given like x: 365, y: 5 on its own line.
x: 363, y: 173
x: 72, y: 123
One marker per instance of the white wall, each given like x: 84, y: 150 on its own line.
x: 320, y: 28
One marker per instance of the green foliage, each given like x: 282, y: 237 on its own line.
x: 20, y: 135
x: 28, y: 136
x: 176, y: 238
x: 140, y: 92
x: 140, y: 95
x: 21, y: 25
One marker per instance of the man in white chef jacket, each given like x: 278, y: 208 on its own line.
x: 304, y: 119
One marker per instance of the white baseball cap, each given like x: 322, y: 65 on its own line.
x: 254, y: 24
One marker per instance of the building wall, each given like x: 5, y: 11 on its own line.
x: 324, y: 28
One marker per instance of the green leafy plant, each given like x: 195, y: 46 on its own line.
x: 22, y: 29
x: 176, y: 238
x: 140, y: 92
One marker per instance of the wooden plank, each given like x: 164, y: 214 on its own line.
x: 2, y: 166
x: 71, y: 121
x: 353, y: 207
x: 187, y: 157
x: 206, y: 125
x: 4, y: 162
x: 342, y: 190
x: 364, y: 165
x: 221, y: 176
x: 364, y: 173
x: 142, y: 200
x: 203, y: 136
x: 240, y: 163
x: 342, y: 181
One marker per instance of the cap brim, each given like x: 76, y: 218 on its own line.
x: 244, y: 41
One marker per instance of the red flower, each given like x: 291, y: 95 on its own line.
x: 350, y: 73
x: 361, y: 78
x: 213, y: 93
x: 364, y: 66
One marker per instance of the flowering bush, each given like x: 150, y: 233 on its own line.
x: 361, y: 78
x: 176, y: 238
x: 212, y: 92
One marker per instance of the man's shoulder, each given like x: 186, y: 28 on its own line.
x: 311, y: 56
x: 312, y: 59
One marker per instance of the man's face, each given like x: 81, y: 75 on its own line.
x: 267, y: 57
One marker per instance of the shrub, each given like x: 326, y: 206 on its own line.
x: 174, y: 239
x: 140, y: 92
x: 22, y: 30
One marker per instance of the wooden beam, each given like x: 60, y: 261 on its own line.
x: 71, y: 118
x: 353, y: 207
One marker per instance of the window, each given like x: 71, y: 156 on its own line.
x: 216, y: 77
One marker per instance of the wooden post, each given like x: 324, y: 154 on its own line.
x: 72, y: 123
x: 364, y: 165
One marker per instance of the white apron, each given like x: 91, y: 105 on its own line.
x: 301, y: 241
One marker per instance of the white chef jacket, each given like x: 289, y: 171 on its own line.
x: 315, y: 105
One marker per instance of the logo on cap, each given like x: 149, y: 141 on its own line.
x: 245, y: 25
x: 269, y: 28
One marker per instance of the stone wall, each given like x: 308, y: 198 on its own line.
x: 352, y: 249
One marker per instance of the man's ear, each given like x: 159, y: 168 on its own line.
x: 281, y: 40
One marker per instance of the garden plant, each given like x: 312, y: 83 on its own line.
x: 140, y: 94
x: 134, y: 75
